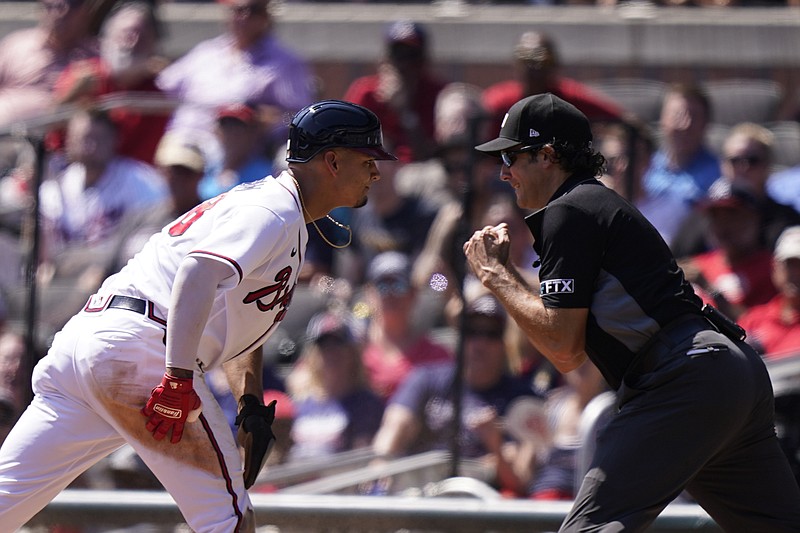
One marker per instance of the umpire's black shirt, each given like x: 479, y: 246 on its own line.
x: 599, y: 252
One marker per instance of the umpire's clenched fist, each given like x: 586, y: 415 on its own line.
x: 487, y: 251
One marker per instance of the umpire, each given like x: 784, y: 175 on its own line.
x: 695, y: 403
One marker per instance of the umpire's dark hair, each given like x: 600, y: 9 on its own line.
x: 578, y: 159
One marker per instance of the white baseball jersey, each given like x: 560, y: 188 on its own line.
x: 259, y: 231
x: 99, y: 372
x: 73, y: 212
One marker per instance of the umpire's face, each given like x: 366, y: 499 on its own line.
x: 533, y: 174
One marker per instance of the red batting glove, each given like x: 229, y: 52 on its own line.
x: 172, y: 403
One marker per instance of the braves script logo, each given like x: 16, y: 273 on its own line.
x: 281, y: 294
x: 556, y: 286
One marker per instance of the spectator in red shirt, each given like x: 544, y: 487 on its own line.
x: 127, y: 67
x: 403, y: 92
x: 773, y: 329
x: 736, y: 274
x: 537, y: 70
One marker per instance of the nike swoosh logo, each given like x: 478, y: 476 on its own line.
x: 294, y: 252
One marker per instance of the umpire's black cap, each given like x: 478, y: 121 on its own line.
x: 538, y: 120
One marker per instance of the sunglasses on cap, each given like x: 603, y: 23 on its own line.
x: 392, y: 287
x: 509, y: 157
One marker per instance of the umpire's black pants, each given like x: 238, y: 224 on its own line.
x: 697, y: 414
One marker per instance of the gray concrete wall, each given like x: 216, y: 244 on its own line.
x: 473, y: 42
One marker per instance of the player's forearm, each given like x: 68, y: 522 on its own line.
x: 244, y: 374
x: 559, y: 334
x: 193, y: 295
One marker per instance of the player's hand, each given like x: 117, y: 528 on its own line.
x: 255, y: 435
x: 172, y: 403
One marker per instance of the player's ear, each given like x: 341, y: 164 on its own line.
x: 332, y: 161
x: 546, y: 153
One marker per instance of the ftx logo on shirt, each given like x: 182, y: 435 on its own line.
x: 556, y: 286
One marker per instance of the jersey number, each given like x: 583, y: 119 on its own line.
x: 183, y: 223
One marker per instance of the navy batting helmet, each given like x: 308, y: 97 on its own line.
x: 335, y: 124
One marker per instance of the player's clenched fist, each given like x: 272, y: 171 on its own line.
x: 172, y: 403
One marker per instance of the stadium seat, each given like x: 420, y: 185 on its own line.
x: 716, y: 134
x: 786, y: 146
x: 638, y: 95
x: 744, y: 100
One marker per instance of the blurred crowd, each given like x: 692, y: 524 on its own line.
x: 380, y: 331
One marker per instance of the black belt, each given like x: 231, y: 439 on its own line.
x: 129, y: 303
x: 137, y: 305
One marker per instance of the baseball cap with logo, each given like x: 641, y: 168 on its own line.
x: 788, y: 244
x: 538, y: 120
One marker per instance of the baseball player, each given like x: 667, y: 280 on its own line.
x: 695, y: 403
x: 207, y: 290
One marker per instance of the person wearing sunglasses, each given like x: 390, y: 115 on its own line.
x: 695, y: 403
x: 397, y: 342
x: 747, y: 161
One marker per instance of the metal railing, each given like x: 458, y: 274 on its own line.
x: 314, y: 513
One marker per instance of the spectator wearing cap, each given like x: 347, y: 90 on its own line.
x: 335, y: 410
x: 536, y: 67
x: 419, y: 416
x: 247, y: 63
x: 396, y: 342
x: 241, y: 134
x: 182, y: 165
x: 736, y: 274
x: 773, y: 328
x: 746, y: 159
x: 402, y: 92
